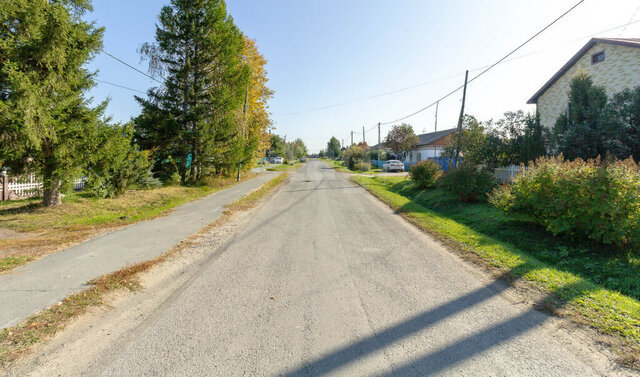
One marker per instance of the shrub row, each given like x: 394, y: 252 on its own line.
x: 593, y: 199
x: 469, y: 182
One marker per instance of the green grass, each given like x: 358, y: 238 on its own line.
x: 285, y: 167
x: 339, y: 166
x: 13, y: 262
x: 249, y: 200
x: 600, y: 284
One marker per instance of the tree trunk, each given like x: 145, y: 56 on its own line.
x: 52, y: 195
x: 51, y: 184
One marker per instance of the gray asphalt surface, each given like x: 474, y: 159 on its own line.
x: 324, y: 280
x: 46, y: 281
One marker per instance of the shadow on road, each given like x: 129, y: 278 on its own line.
x: 443, y: 358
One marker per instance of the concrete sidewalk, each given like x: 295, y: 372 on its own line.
x: 37, y: 285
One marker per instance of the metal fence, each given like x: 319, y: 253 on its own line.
x: 27, y: 186
x: 507, y: 173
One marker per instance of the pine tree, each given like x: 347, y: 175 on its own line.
x: 46, y: 120
x: 582, y: 132
x: 193, y: 117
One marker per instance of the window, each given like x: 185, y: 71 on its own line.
x: 418, y: 156
x: 597, y: 58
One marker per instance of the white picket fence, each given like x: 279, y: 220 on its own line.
x: 30, y: 185
x: 507, y: 173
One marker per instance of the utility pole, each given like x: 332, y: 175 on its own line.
x: 437, y: 103
x: 244, y: 126
x: 464, y: 96
x: 351, y: 138
x: 379, y: 145
x: 363, y: 140
x: 342, y: 146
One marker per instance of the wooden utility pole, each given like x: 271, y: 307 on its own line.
x: 363, y: 139
x: 244, y: 127
x: 351, y: 138
x: 437, y: 103
x: 379, y: 145
x: 464, y: 96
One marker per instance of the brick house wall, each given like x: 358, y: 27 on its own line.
x: 619, y: 70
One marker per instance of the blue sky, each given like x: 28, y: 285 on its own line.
x: 324, y: 53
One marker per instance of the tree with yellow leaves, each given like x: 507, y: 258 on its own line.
x: 257, y: 121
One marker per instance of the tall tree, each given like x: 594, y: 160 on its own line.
x: 583, y: 132
x: 401, y: 139
x: 46, y: 120
x: 277, y: 148
x: 193, y: 116
x: 333, y: 148
x: 256, y: 115
x: 623, y: 118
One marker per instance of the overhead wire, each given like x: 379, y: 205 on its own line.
x: 132, y: 67
x: 120, y: 86
x: 488, y: 68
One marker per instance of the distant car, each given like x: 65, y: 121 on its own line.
x: 393, y: 165
x: 303, y: 159
x: 278, y: 160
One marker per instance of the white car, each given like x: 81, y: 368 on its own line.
x: 393, y: 165
x: 278, y: 160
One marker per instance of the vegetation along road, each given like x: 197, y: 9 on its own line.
x: 323, y: 279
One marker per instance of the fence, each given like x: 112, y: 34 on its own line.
x: 507, y: 173
x: 27, y: 186
x: 442, y: 161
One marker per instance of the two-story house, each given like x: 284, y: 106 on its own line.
x: 612, y: 63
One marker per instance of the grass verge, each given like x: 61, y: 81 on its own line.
x: 249, y: 201
x: 33, y: 230
x: 339, y: 166
x: 16, y: 341
x: 515, y: 250
x: 295, y: 166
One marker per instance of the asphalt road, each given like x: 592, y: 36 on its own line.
x: 37, y: 285
x: 325, y: 280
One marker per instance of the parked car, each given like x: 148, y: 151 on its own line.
x: 278, y: 160
x: 393, y: 165
x: 303, y: 159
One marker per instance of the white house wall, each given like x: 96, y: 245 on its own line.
x: 619, y: 70
x: 425, y: 152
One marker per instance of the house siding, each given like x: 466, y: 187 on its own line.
x: 433, y: 150
x: 619, y: 70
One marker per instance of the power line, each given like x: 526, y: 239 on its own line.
x: 132, y: 67
x: 631, y: 19
x: 452, y: 76
x: 368, y: 98
x: 121, y: 86
x: 488, y: 68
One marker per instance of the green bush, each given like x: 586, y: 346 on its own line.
x: 592, y: 199
x: 469, y: 182
x: 425, y: 173
x: 116, y: 163
x: 362, y: 166
x: 353, y: 155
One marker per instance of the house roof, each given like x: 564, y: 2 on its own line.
x: 424, y: 139
x: 629, y: 42
x: 432, y: 137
